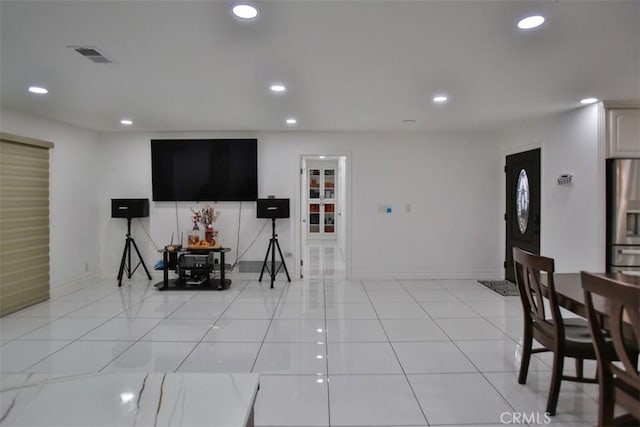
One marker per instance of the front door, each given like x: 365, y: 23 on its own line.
x: 522, y: 217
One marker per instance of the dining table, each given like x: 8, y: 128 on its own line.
x: 571, y: 296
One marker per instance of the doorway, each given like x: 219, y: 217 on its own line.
x: 323, y: 208
x: 522, y: 217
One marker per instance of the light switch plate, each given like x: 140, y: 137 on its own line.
x: 565, y: 179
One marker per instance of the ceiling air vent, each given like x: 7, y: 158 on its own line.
x: 92, y: 53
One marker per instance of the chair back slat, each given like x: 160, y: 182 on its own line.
x: 530, y: 271
x: 619, y: 315
x: 623, y: 311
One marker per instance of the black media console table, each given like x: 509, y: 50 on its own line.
x: 195, y: 267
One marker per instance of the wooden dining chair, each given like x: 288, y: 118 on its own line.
x: 569, y: 337
x: 619, y: 382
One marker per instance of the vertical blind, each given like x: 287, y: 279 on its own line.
x: 24, y: 222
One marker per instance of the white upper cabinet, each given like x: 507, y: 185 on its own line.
x: 623, y: 132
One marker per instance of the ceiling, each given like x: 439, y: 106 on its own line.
x: 362, y: 65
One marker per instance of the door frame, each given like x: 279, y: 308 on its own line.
x: 322, y: 165
x: 344, y: 160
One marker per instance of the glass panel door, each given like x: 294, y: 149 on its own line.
x: 329, y: 184
x: 314, y: 201
x: 321, y: 202
x: 314, y: 183
x: 314, y: 218
x: 329, y: 192
x: 329, y: 218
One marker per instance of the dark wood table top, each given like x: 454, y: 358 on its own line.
x: 571, y: 296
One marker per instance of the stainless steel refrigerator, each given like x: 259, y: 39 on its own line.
x: 623, y: 215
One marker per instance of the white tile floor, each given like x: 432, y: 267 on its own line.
x: 330, y: 352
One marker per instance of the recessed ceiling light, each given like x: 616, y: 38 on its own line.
x: 38, y: 90
x: 291, y: 121
x: 530, y: 22
x: 440, y: 99
x: 278, y: 88
x: 588, y: 100
x: 126, y: 122
x: 322, y: 158
x: 245, y: 11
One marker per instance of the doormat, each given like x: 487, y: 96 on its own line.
x: 503, y: 287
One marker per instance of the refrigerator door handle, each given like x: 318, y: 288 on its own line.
x: 630, y: 272
x: 629, y: 251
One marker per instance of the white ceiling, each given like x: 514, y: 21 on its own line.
x: 349, y: 65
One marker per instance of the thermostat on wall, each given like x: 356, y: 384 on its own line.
x: 565, y: 179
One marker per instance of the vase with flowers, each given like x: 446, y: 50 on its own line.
x: 205, y: 218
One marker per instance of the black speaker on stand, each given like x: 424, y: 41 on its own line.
x: 130, y: 208
x: 272, y: 209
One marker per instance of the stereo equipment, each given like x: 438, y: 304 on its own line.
x: 273, y: 208
x: 129, y: 208
x: 188, y: 261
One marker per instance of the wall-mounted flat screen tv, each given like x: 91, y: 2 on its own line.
x: 215, y: 170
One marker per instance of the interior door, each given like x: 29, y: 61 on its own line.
x: 321, y: 197
x: 522, y: 217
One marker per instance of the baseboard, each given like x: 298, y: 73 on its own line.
x: 138, y: 275
x: 429, y: 275
x: 158, y: 275
x: 67, y: 288
x: 255, y: 266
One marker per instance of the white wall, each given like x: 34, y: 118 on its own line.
x: 573, y: 216
x: 125, y: 168
x: 74, y: 216
x: 444, y: 189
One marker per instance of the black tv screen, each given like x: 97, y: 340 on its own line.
x: 215, y: 170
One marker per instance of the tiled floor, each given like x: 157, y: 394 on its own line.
x: 330, y: 352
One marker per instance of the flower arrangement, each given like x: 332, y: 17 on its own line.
x: 205, y: 217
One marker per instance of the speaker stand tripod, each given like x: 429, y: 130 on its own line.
x: 125, y: 264
x: 273, y: 244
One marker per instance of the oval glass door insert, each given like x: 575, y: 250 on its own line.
x: 522, y: 201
